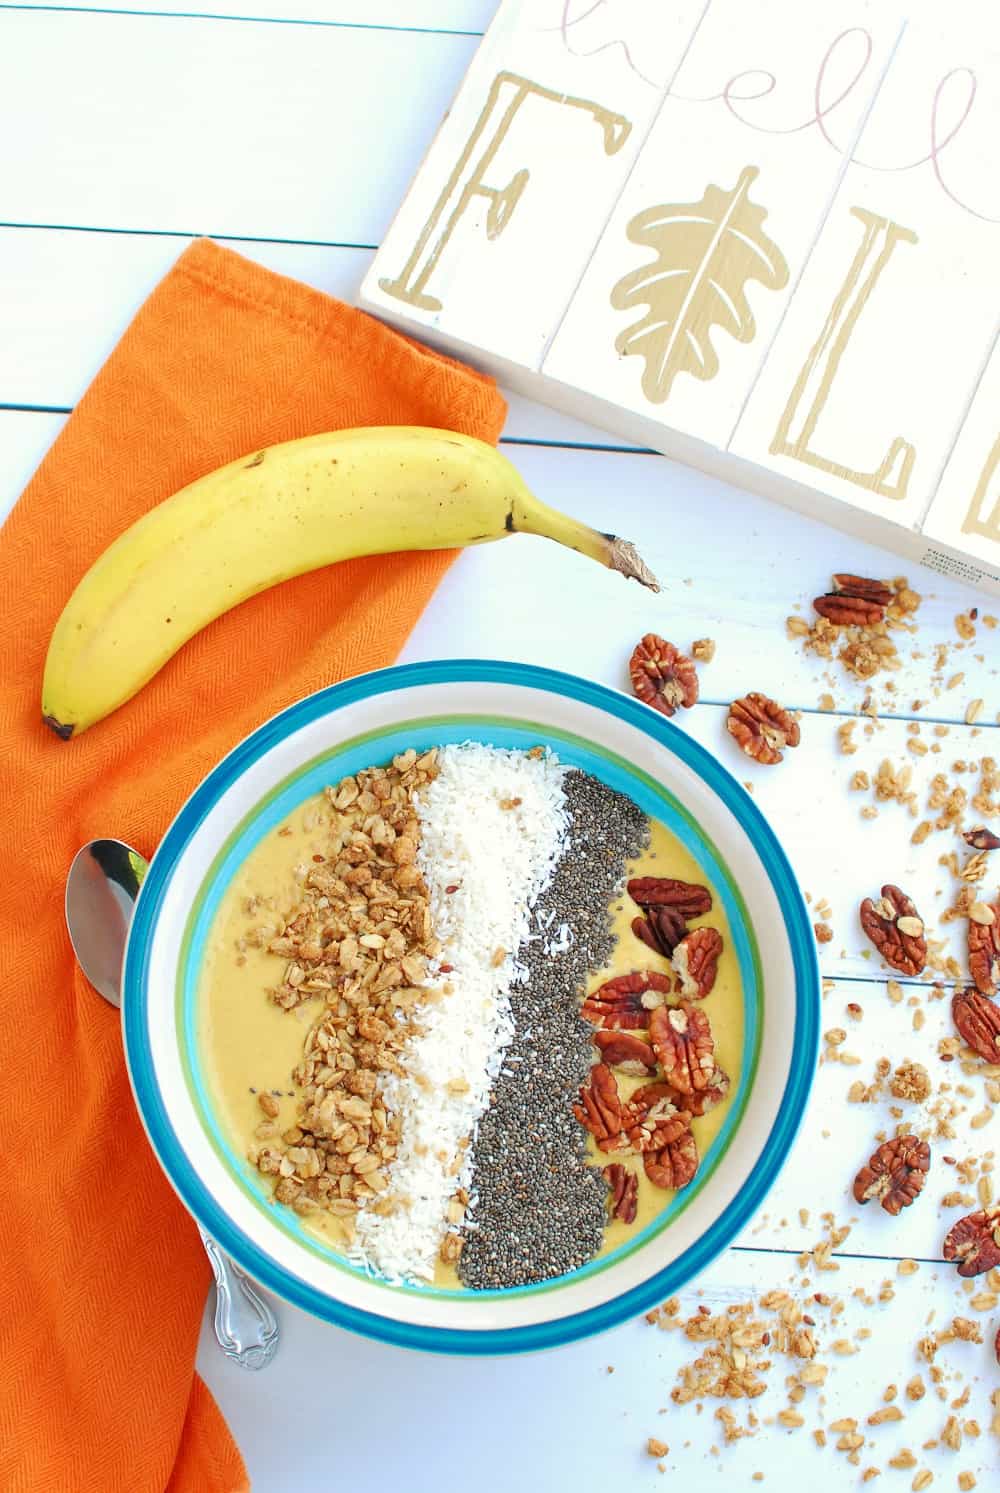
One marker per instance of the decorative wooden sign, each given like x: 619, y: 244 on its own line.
x: 756, y: 235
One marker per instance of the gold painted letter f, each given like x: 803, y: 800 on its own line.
x: 467, y: 181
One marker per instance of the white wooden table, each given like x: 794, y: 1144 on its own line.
x: 292, y: 137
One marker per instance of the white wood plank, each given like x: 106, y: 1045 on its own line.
x: 69, y: 296
x: 837, y: 1137
x: 835, y: 853
x: 409, y: 15
x: 748, y: 562
x: 580, y: 1419
x: 187, y: 126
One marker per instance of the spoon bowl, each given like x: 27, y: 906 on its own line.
x: 101, y: 891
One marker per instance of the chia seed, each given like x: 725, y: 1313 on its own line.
x: 538, y: 1209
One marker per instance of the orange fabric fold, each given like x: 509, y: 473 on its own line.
x: 105, y: 1275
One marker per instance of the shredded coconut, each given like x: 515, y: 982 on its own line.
x: 493, y: 827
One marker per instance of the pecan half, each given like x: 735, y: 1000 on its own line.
x: 894, y: 926
x: 895, y: 1174
x: 623, y: 1191
x: 696, y: 962
x: 974, y: 1242
x: 675, y: 1163
x: 761, y: 727
x: 600, y: 1108
x: 854, y: 601
x: 707, y: 1098
x: 662, y: 676
x: 984, y: 951
x: 627, y: 1000
x: 686, y: 897
x: 661, y: 929
x: 860, y: 586
x: 981, y: 838
x: 977, y: 1020
x: 682, y: 1040
x: 845, y: 611
x: 650, y: 1117
x: 630, y: 1054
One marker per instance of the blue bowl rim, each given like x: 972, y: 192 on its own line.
x: 560, y: 1330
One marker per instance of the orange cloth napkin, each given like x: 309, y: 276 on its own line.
x: 104, y: 1275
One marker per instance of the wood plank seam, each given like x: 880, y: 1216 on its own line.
x: 207, y: 15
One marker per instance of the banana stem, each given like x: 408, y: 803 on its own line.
x: 530, y: 516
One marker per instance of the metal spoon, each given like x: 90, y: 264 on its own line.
x: 101, y: 889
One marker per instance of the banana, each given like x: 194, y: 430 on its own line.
x: 272, y: 515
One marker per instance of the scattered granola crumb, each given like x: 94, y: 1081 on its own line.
x: 892, y: 785
x: 703, y: 649
x: 911, y: 1081
x: 886, y: 1413
x: 845, y: 734
x: 951, y: 1434
x: 655, y: 1448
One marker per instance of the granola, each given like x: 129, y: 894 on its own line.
x: 358, y: 941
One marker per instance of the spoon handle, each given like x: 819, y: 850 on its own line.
x: 245, y: 1326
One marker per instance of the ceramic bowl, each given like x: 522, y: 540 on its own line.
x: 366, y: 720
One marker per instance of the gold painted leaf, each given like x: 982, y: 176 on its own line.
x: 705, y: 254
